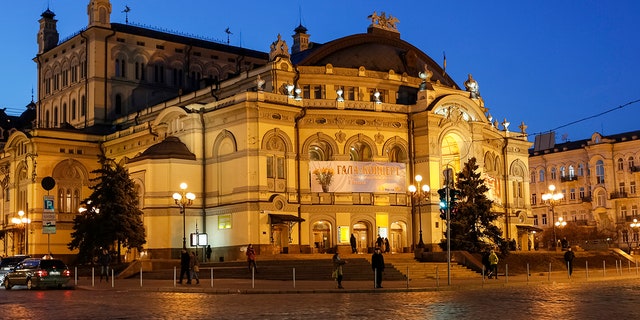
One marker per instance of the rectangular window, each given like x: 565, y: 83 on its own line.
x: 632, y: 187
x: 535, y: 219
x: 581, y: 192
x: 544, y: 219
x: 224, y: 221
x: 572, y: 194
x: 317, y: 92
x: 621, y: 188
x: 270, y: 167
x: 280, y: 168
x: 534, y: 199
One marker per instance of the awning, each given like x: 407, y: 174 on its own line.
x: 528, y: 228
x: 283, y: 218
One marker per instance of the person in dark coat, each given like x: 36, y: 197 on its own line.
x: 353, y: 244
x: 251, y: 258
x: 209, y: 251
x: 387, y: 247
x: 337, y: 269
x: 377, y: 264
x: 568, y: 258
x: 185, y: 266
x: 105, y: 259
x: 486, y: 264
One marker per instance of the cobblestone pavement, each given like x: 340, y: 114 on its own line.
x: 614, y: 297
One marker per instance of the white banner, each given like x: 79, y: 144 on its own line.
x: 353, y: 176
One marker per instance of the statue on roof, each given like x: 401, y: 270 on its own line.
x: 279, y: 48
x: 383, y: 22
x: 472, y: 86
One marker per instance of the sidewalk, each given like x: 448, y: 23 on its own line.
x: 247, y: 286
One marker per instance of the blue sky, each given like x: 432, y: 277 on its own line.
x: 548, y: 63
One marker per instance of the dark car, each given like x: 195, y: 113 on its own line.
x: 9, y: 263
x: 38, y: 273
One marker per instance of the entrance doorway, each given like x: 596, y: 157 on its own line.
x: 361, y: 231
x: 397, y: 236
x: 321, y: 236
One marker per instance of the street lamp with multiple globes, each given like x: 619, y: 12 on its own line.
x: 419, y: 193
x: 23, y: 222
x: 552, y: 198
x: 635, y: 225
x: 183, y: 199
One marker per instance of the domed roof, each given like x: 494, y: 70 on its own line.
x: 169, y: 148
x: 377, y: 50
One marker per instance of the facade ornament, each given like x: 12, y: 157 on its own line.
x: 425, y: 76
x: 340, y: 136
x: 523, y: 128
x: 339, y: 93
x: 472, y: 86
x: 379, y: 138
x: 383, y: 22
x: 289, y: 88
x: 279, y: 48
x: 506, y: 124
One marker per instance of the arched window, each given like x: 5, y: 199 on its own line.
x: 396, y: 154
x: 600, y: 171
x: 631, y: 163
x: 620, y: 164
x: 83, y: 107
x: 55, y: 117
x: 554, y: 175
x: 581, y: 169
x: 532, y: 177
x: 572, y: 171
x: 600, y: 198
x: 47, y: 119
x: 320, y: 151
x: 73, y: 109
x: 541, y: 175
x: 563, y: 172
x: 360, y: 151
x: 64, y: 113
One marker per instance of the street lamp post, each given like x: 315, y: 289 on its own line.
x: 183, y: 199
x: 23, y: 222
x: 552, y: 198
x: 634, y: 228
x: 419, y: 193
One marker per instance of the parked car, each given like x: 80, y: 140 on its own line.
x: 8, y: 263
x: 38, y: 273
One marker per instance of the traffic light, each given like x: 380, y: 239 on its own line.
x: 443, y: 198
x: 454, y: 197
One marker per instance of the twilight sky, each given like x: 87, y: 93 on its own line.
x: 549, y: 63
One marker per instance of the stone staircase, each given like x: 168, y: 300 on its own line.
x: 314, y: 267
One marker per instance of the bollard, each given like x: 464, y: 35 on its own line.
x: 437, y: 278
x: 375, y: 276
x: 506, y: 273
x: 587, y: 269
x: 549, y: 274
x: 174, y: 277
x: 568, y: 273
x: 211, y: 277
x: 407, y: 277
x: 140, y: 275
x: 93, y: 276
x: 75, y: 275
x: 604, y: 272
x: 253, y: 278
x: 528, y: 274
x: 294, y: 278
x: 629, y: 265
x: 113, y: 281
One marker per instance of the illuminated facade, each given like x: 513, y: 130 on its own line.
x: 598, y: 178
x: 292, y: 151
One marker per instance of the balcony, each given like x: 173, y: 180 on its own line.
x: 586, y: 199
x: 634, y: 168
x: 568, y: 178
x: 617, y: 195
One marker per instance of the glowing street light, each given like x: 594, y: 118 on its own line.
x: 183, y: 199
x: 23, y: 222
x: 419, y: 193
x: 552, y: 198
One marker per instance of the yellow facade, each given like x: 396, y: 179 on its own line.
x: 247, y: 141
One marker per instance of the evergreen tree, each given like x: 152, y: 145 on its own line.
x: 472, y: 221
x: 112, y: 216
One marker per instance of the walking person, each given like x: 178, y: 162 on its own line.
x: 251, y: 258
x: 493, y: 262
x: 105, y: 259
x: 194, y: 266
x: 377, y: 264
x: 387, y: 247
x: 485, y: 263
x: 185, y: 266
x: 568, y: 258
x: 209, y: 251
x: 353, y: 244
x: 337, y: 269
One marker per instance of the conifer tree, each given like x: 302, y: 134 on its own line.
x: 112, y: 216
x: 472, y: 221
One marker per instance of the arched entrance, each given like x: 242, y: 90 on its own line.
x: 321, y: 236
x: 361, y: 231
x: 397, y: 236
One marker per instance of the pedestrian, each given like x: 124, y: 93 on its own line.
x: 485, y: 263
x: 251, y: 258
x: 337, y: 269
x: 105, y: 259
x: 353, y: 244
x: 195, y: 267
x: 387, y: 247
x: 564, y: 243
x: 568, y: 258
x: 379, y: 242
x: 493, y: 262
x: 209, y: 251
x: 185, y: 266
x: 377, y: 264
